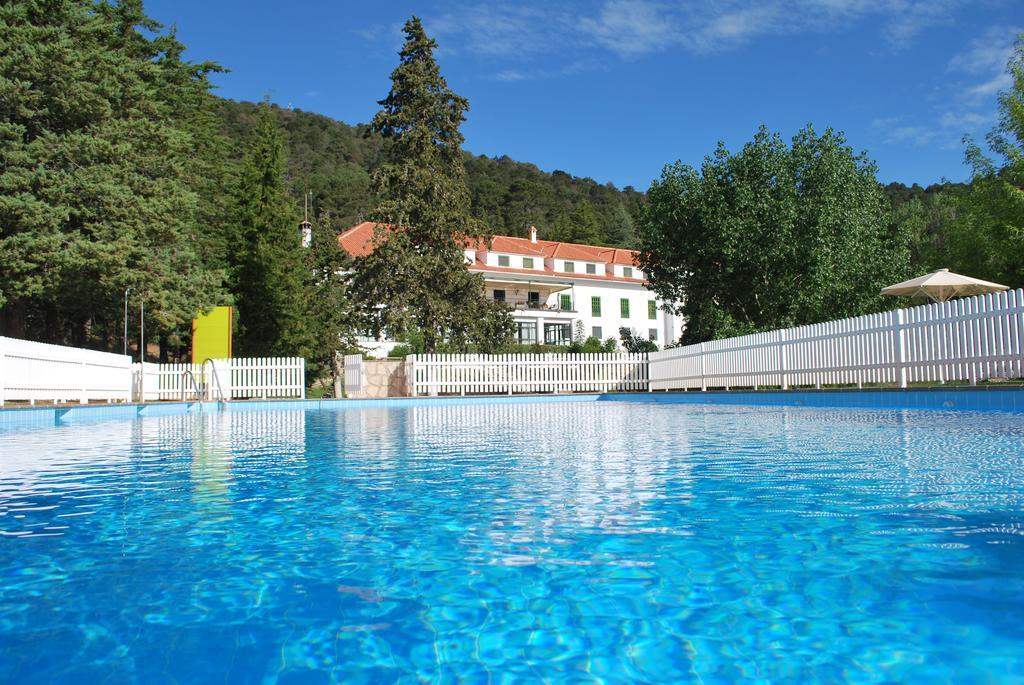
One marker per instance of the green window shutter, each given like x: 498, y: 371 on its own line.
x: 527, y: 262
x: 624, y: 307
x: 566, y: 302
x: 595, y: 306
x: 652, y: 310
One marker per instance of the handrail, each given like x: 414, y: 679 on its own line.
x: 187, y: 373
x: 216, y: 378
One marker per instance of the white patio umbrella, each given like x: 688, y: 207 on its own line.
x: 941, y: 285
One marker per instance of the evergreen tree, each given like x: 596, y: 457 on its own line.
x: 330, y: 318
x: 620, y: 231
x: 578, y: 226
x: 266, y: 256
x: 98, y: 186
x: 585, y: 229
x: 417, y: 269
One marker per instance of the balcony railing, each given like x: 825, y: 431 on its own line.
x: 526, y: 305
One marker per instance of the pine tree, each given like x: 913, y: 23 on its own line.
x: 621, y: 232
x: 97, y: 192
x: 417, y: 270
x: 584, y: 226
x: 266, y: 255
x: 330, y: 317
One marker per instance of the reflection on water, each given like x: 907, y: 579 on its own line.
x: 588, y: 541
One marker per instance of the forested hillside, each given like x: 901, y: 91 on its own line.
x: 334, y: 160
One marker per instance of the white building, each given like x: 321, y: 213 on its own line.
x: 549, y: 286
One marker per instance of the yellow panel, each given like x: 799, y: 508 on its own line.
x: 211, y: 335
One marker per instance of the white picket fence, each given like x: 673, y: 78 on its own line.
x: 969, y: 339
x: 267, y: 377
x: 232, y: 379
x: 33, y: 371
x: 461, y: 374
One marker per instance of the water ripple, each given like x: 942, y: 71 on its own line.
x: 578, y: 542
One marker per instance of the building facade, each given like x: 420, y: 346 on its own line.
x: 554, y: 289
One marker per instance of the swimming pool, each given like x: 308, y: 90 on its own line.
x: 507, y: 541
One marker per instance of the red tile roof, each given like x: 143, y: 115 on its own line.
x: 511, y: 245
x: 358, y: 241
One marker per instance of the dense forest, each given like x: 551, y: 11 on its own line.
x: 334, y: 161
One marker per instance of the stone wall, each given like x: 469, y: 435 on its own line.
x: 383, y: 378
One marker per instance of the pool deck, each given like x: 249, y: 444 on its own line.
x: 987, y: 398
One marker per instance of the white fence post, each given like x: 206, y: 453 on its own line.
x: 703, y: 370
x: 783, y: 360
x: 3, y: 371
x: 900, y: 345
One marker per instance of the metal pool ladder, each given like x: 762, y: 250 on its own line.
x: 215, y: 377
x: 187, y: 374
x: 201, y: 390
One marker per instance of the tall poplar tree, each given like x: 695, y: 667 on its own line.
x: 416, y: 279
x: 267, y: 261
x: 986, y: 238
x: 772, y: 236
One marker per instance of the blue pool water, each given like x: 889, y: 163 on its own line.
x: 576, y: 541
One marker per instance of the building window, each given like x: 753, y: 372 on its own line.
x: 499, y: 295
x: 595, y: 332
x: 565, y: 302
x: 503, y: 260
x: 652, y: 333
x: 533, y: 300
x: 591, y: 268
x: 627, y: 272
x: 652, y: 309
x: 595, y: 306
x: 624, y: 308
x: 557, y: 333
x: 527, y: 332
x: 527, y: 262
x: 570, y: 267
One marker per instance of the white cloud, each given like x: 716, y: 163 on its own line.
x: 895, y: 130
x: 628, y: 28
x: 968, y: 100
x: 982, y: 65
x: 966, y: 121
x: 908, y: 19
x: 510, y: 75
x: 990, y: 87
x: 502, y: 30
x: 988, y: 52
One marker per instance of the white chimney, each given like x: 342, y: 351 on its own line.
x: 306, y: 233
x: 533, y: 234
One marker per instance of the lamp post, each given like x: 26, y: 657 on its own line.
x: 126, y: 291
x: 142, y: 331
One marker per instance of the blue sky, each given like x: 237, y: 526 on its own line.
x: 616, y: 89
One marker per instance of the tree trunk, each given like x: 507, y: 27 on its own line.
x: 12, y: 320
x: 337, y: 373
